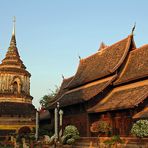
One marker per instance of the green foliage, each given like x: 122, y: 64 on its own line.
x: 65, y: 138
x: 140, y: 128
x: 45, y: 100
x: 71, y: 129
x: 32, y: 137
x: 100, y: 127
x: 114, y: 140
x: 70, y: 141
x: 71, y: 133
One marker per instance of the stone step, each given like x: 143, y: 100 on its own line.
x: 83, y: 147
x: 85, y: 144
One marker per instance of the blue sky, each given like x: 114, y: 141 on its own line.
x: 52, y: 33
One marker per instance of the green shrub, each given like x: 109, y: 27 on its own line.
x: 65, y: 138
x: 114, y: 140
x: 140, y: 128
x: 71, y: 129
x: 70, y: 134
x: 70, y: 141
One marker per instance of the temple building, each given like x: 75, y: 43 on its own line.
x: 110, y: 85
x: 16, y: 109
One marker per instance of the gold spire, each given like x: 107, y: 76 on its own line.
x: 14, y: 21
x: 13, y: 40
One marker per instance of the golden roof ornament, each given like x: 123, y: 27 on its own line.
x: 133, y: 29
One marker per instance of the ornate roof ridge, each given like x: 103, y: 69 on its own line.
x: 83, y: 93
x: 61, y: 91
x: 136, y: 66
x: 142, y: 114
x: 123, y: 97
x: 84, y: 64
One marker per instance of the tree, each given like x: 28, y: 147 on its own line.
x: 140, y: 128
x: 46, y: 99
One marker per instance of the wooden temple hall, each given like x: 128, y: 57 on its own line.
x: 110, y: 85
x: 16, y: 109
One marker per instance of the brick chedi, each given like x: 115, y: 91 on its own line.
x: 16, y: 109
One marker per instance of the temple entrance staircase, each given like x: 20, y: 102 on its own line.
x: 86, y: 142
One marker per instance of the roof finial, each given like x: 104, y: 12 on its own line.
x: 133, y: 28
x: 102, y: 46
x: 62, y: 76
x: 14, y: 21
x: 79, y: 56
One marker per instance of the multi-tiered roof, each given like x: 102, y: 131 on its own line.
x: 121, y: 66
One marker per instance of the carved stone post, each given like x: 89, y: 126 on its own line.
x: 61, y: 123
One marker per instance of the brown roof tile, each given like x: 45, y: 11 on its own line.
x: 142, y: 114
x: 101, y: 63
x: 123, y: 97
x: 63, y: 85
x: 136, y: 66
x: 85, y: 92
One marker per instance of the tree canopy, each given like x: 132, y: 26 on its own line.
x: 46, y: 99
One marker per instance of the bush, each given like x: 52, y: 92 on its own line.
x: 71, y: 129
x: 70, y: 141
x: 71, y: 133
x: 140, y: 128
x: 65, y: 138
x: 23, y: 132
x: 114, y: 140
x: 100, y: 127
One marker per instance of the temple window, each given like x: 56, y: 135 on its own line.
x: 15, y: 88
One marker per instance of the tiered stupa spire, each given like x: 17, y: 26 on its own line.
x: 12, y: 58
x: 13, y: 39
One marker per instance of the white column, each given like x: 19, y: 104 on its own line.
x: 61, y: 123
x: 61, y: 117
x: 56, y: 122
